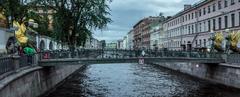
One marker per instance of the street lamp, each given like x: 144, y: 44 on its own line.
x: 211, y: 40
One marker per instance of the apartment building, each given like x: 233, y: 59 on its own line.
x: 156, y: 34
x: 130, y: 39
x: 192, y: 27
x: 142, y: 33
x: 92, y: 43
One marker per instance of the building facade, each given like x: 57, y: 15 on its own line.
x: 142, y: 33
x: 156, y: 34
x: 111, y: 45
x: 125, y: 42
x: 102, y: 44
x: 130, y: 39
x: 120, y: 44
x: 92, y: 43
x: 193, y: 27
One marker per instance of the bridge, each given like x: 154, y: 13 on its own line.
x: 105, y: 56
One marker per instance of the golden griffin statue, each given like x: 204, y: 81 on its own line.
x: 20, y: 33
x: 218, y: 41
x: 23, y: 39
x: 234, y: 38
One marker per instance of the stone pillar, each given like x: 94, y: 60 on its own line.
x: 225, y: 57
x: 16, y: 62
x: 36, y: 58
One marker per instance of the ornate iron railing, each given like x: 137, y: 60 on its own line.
x: 116, y: 53
x: 26, y: 60
x: 12, y: 62
x: 6, y: 64
x: 233, y: 58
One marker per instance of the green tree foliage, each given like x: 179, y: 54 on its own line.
x: 22, y: 12
x: 74, y: 20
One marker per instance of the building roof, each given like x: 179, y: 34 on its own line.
x: 144, y: 19
x: 194, y: 6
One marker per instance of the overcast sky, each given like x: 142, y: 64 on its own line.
x: 126, y: 13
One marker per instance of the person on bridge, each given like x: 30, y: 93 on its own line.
x: 143, y: 53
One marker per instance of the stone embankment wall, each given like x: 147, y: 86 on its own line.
x: 226, y: 74
x: 34, y: 82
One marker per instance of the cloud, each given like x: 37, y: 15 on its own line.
x: 126, y: 13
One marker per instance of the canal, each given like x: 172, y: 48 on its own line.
x: 133, y: 80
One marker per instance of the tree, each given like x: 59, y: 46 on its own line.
x: 22, y: 12
x: 74, y: 20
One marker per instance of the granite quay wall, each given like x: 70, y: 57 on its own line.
x: 226, y: 74
x: 35, y: 81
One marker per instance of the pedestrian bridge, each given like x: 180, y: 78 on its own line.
x: 106, y: 56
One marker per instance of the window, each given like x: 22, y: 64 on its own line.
x: 226, y: 3
x: 232, y: 2
x: 219, y: 4
x: 192, y: 15
x: 196, y: 42
x: 209, y: 25
x: 200, y: 42
x: 204, y: 42
x: 189, y: 16
x: 204, y: 11
x: 220, y: 23
x: 200, y: 12
x: 183, y: 19
x: 192, y: 28
x: 209, y: 9
x: 204, y: 26
x: 200, y: 27
x: 214, y: 7
x: 214, y: 24
x: 186, y: 29
x: 233, y: 20
x: 226, y: 21
x: 196, y: 14
x: 189, y: 30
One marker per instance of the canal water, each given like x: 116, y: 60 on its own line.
x: 134, y: 80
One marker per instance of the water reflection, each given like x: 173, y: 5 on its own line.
x: 133, y: 80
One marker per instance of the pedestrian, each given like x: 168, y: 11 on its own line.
x: 20, y: 51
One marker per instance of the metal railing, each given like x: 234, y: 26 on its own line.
x: 233, y: 58
x: 6, y: 64
x: 12, y: 63
x: 26, y: 60
x: 115, y: 53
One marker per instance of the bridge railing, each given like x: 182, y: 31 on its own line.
x: 114, y: 53
x: 233, y: 58
x: 12, y: 63
x: 27, y: 60
x: 6, y: 64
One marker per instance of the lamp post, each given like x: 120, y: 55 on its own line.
x: 227, y: 45
x: 211, y: 40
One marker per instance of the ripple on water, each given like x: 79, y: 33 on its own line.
x: 133, y: 80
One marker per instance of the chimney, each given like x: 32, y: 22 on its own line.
x: 187, y: 6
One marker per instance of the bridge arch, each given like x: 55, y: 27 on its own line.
x: 42, y: 45
x: 51, y: 45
